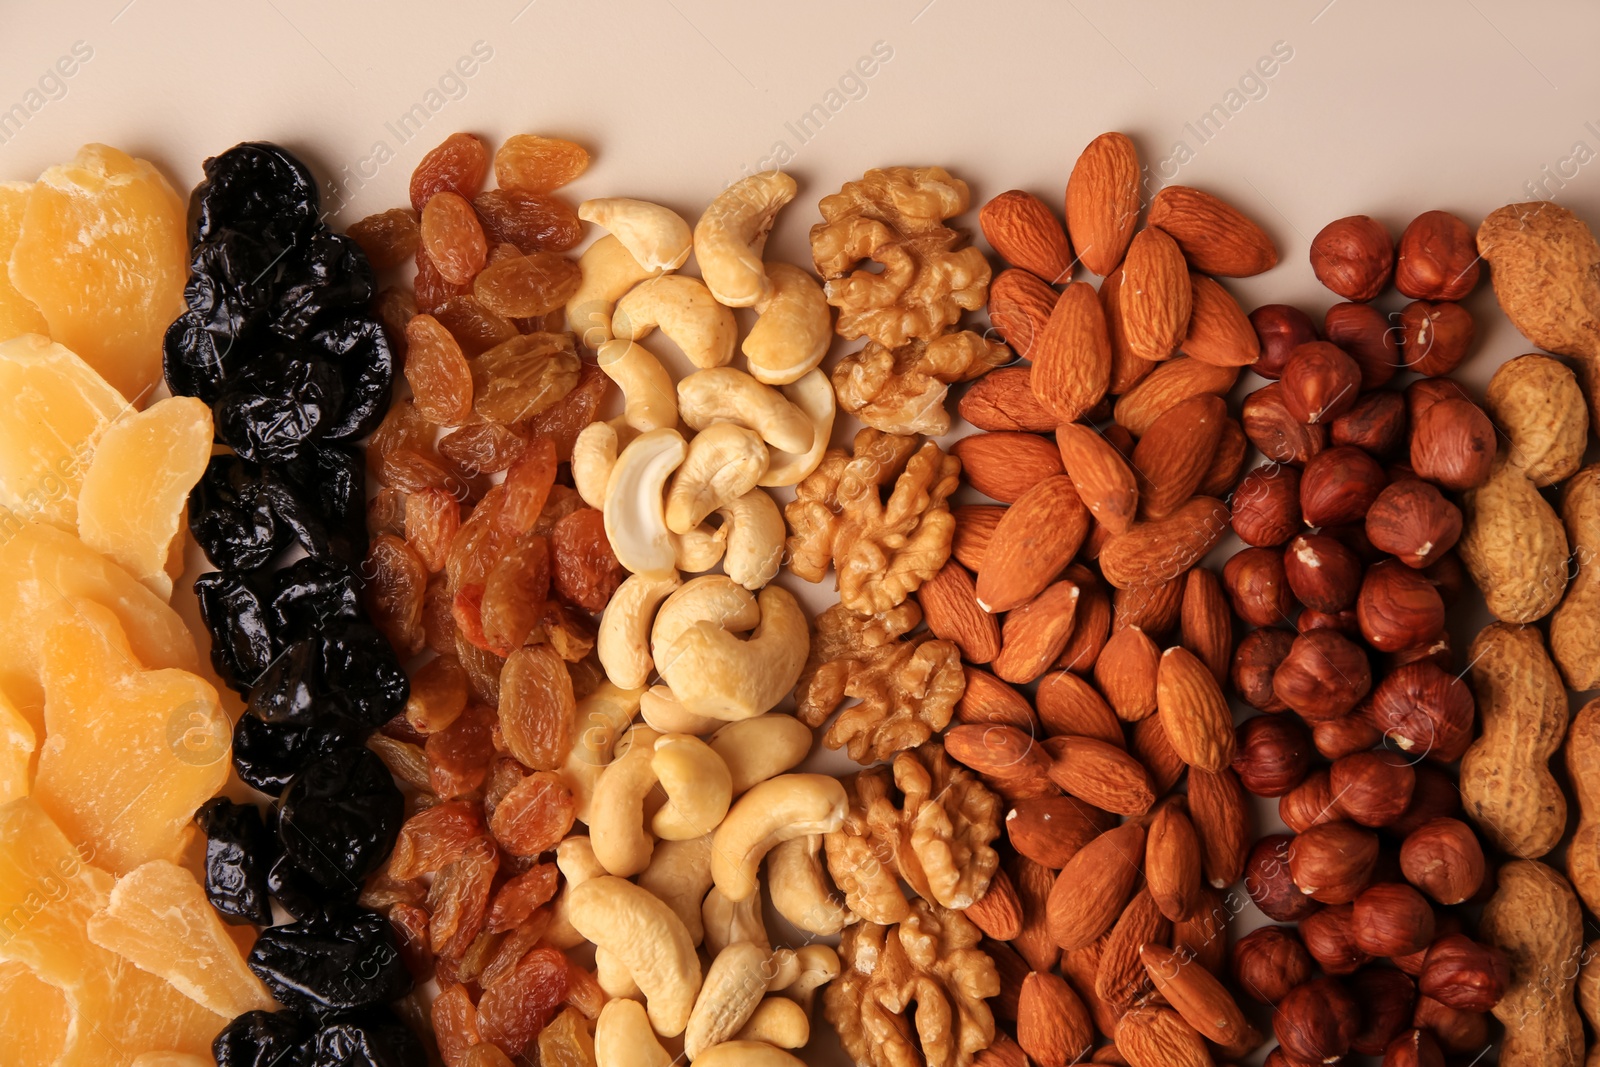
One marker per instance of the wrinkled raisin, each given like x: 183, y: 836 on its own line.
x: 453, y: 238
x: 437, y: 371
x: 431, y: 287
x: 538, y: 164
x: 459, y: 755
x: 457, y: 165
x: 584, y: 992
x: 564, y: 421
x: 487, y: 1056
x: 438, y: 695
x: 386, y: 512
x: 511, y: 1014
x: 400, y: 452
x: 565, y: 1041
x: 483, y: 670
x: 587, y: 676
x: 482, y: 447
x: 532, y: 284
x: 519, y: 379
x: 468, y: 612
x: 537, y: 707
x: 437, y: 623
x: 384, y: 891
x: 389, y: 238
x: 527, y: 487
x: 475, y: 328
x: 586, y: 569
x: 513, y: 593
x: 432, y: 517
x: 405, y: 759
x: 410, y: 922
x: 458, y: 900
x: 434, y: 838
x: 477, y: 956
x: 504, y: 774
x: 533, y: 222
x: 455, y: 1025
x: 393, y: 308
x: 535, y: 815
x: 516, y: 900
x: 564, y: 500
x: 516, y: 945
x: 568, y: 630
x: 396, y: 581
x: 476, y: 545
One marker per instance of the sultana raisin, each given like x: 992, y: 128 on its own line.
x: 564, y: 421
x: 457, y: 165
x: 504, y: 773
x: 475, y: 328
x: 468, y: 612
x: 393, y: 307
x: 455, y: 1025
x: 514, y: 592
x: 568, y: 630
x: 432, y: 517
x: 437, y: 623
x: 527, y: 487
x: 516, y: 900
x: 459, y: 755
x: 434, y: 838
x: 477, y: 542
x: 410, y: 923
x: 516, y: 945
x: 487, y: 1056
x: 384, y: 891
x: 524, y: 376
x: 586, y: 569
x: 564, y: 500
x: 404, y: 758
x: 400, y: 452
x: 389, y: 238
x: 583, y: 991
x: 431, y: 288
x: 386, y: 512
x: 453, y: 238
x: 438, y: 695
x: 537, y: 707
x: 565, y: 1041
x: 587, y: 676
x: 535, y: 815
x: 477, y: 956
x: 533, y: 222
x: 511, y: 1013
x: 396, y: 582
x: 482, y: 447
x: 538, y: 164
x: 458, y: 899
x: 532, y: 284
x: 437, y: 371
x: 483, y: 670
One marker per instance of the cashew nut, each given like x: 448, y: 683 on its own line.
x: 724, y: 462
x: 711, y: 669
x: 800, y: 890
x: 575, y: 860
x: 617, y: 830
x: 730, y: 236
x: 727, y: 922
x: 614, y: 977
x: 635, y: 518
x: 819, y: 965
x: 813, y: 395
x: 698, y: 787
x: 649, y: 401
x: 761, y: 748
x: 662, y: 711
x: 778, y: 1021
x: 597, y: 721
x: 775, y: 811
x: 685, y: 311
x: 623, y: 1037
x: 700, y: 549
x: 648, y: 938
x: 734, y: 985
x: 755, y: 534
x: 726, y: 394
x: 680, y: 874
x: 594, y: 453
x: 623, y: 644
x: 656, y: 236
x: 793, y: 330
x: 746, y: 1054
x: 609, y: 270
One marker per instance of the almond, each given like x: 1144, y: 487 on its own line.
x: 1100, y: 773
x: 1194, y: 710
x: 1219, y: 331
x: 1069, y: 705
x: 1003, y: 400
x: 1174, y: 454
x: 950, y: 608
x: 1100, y: 474
x: 1207, y: 621
x: 1051, y: 830
x: 1103, y: 201
x: 1152, y: 608
x: 1121, y: 979
x: 1089, y: 632
x: 1156, y: 1037
x: 1091, y: 890
x: 1035, y: 633
x: 1002, y: 1052
x: 1150, y: 743
x: 1038, y: 536
x: 1079, y: 967
x: 1002, y: 752
x: 1053, y: 1026
x: 1215, y: 236
x: 1155, y: 296
x: 1161, y: 549
x: 1221, y: 816
x: 1022, y: 229
x: 975, y: 525
x: 1172, y: 863
x: 1035, y: 884
x: 1203, y: 936
x: 1127, y: 369
x: 1003, y: 466
x: 1019, y: 307
x: 1072, y: 361
x: 1126, y: 673
x: 998, y: 912
x: 987, y: 699
x: 1226, y: 465
x: 1169, y: 384
x: 1013, y: 971
x: 1201, y: 1000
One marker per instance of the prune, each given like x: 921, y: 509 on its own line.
x: 287, y: 691
x: 519, y: 379
x: 361, y: 352
x: 586, y: 570
x: 453, y: 237
x: 482, y: 447
x: 458, y: 164
x: 279, y: 404
x: 475, y: 328
x: 311, y: 594
x: 302, y: 896
x: 255, y: 185
x: 437, y: 371
x: 533, y: 222
x: 339, y: 817
x: 238, y: 853
x: 532, y: 284
x: 359, y: 668
x: 323, y: 273
x: 512, y: 1013
x: 535, y: 815
x: 564, y: 421
x: 342, y: 962
x: 539, y: 164
x: 537, y: 707
x: 231, y: 515
x: 432, y: 518
x: 267, y: 755
x: 232, y: 281
x: 325, y: 507
x: 236, y: 616
x: 397, y: 581
x: 375, y: 1039
x: 458, y: 899
x: 389, y: 238
x: 262, y: 1039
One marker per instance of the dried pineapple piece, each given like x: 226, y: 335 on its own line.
x: 129, y: 753
x: 104, y: 255
x: 56, y: 409
x: 33, y: 1018
x: 131, y: 505
x: 17, y: 742
x: 18, y: 314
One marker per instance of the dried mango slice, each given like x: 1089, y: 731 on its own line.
x: 18, y: 314
x: 171, y: 1059
x: 33, y: 1018
x: 17, y: 743
x: 133, y: 496
x: 129, y: 753
x: 159, y: 919
x: 104, y: 256
x: 56, y: 408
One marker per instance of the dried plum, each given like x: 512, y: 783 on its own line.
x: 339, y: 817
x: 287, y: 691
x: 361, y: 351
x: 255, y: 185
x: 341, y: 962
x: 196, y: 360
x: 262, y: 1039
x: 371, y: 1039
x: 232, y: 517
x: 329, y: 514
x: 310, y: 595
x: 267, y: 755
x: 235, y: 614
x: 283, y: 401
x: 359, y: 668
x: 238, y: 854
x: 323, y: 273
x: 303, y: 897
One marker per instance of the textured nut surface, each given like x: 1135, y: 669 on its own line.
x: 1536, y: 402
x: 1535, y: 920
x: 1514, y: 546
x: 1215, y: 236
x: 1156, y: 298
x: 1583, y: 854
x: 1575, y: 626
x: 1103, y: 201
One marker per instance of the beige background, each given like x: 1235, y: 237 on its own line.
x: 1298, y: 112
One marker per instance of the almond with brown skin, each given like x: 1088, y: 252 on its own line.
x: 1040, y: 533
x: 998, y: 912
x: 1003, y: 400
x: 1175, y: 453
x: 1215, y: 236
x: 1149, y: 1036
x: 1034, y: 634
x: 1221, y: 816
x: 1100, y: 474
x: 1090, y: 632
x: 1201, y: 1000
x: 1053, y: 1026
x: 1162, y: 549
x: 1090, y: 892
x: 1069, y: 705
x: 1155, y: 297
x: 1026, y: 234
x: 1127, y: 369
x: 1219, y: 331
x: 1203, y: 936
x: 1003, y: 466
x: 1051, y: 830
x: 1072, y: 361
x: 950, y: 608
x: 1003, y: 1052
x: 975, y: 526
x: 1103, y: 201
x: 1034, y: 883
x: 1126, y: 673
x: 1150, y: 743
x: 1194, y: 710
x: 1121, y: 979
x: 987, y: 699
x: 1172, y: 862
x: 1101, y: 774
x: 1167, y: 385
x: 1001, y: 752
x: 1019, y: 307
x: 1223, y: 474
x: 1206, y: 621
x: 1152, y: 608
x: 1079, y: 967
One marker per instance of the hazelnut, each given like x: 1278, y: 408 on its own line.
x: 1386, y: 998
x: 1339, y: 485
x: 1452, y: 443
x: 1329, y: 936
x: 1376, y: 425
x: 1343, y: 622
x: 1271, y: 960
x: 1424, y: 392
x: 1255, y: 661
x: 1267, y: 880
x: 1434, y: 796
x: 1398, y: 608
x: 1353, y: 256
x: 1374, y: 788
x: 1392, y: 919
x: 1256, y: 586
x: 1444, y: 859
x: 1434, y: 338
x: 1436, y: 652
x: 1412, y: 964
x: 1462, y: 974
x: 1337, y: 738
x: 1323, y: 677
x: 1437, y: 258
x: 1458, y: 1032
x: 1272, y: 754
x: 1353, y: 535
x: 1333, y: 863
x: 1449, y: 576
x: 1412, y: 521
x: 1266, y: 505
x: 1320, y: 382
x: 1423, y: 710
x: 1309, y: 804
x: 1322, y: 573
x: 1363, y: 332
x: 1279, y: 329
x: 1279, y: 435
x: 1316, y: 1021
x: 1414, y: 1048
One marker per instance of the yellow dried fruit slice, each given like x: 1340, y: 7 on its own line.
x: 56, y: 408
x: 17, y: 743
x: 33, y: 1018
x: 132, y: 500
x: 18, y: 314
x: 171, y: 1059
x: 129, y: 753
x: 159, y: 919
x: 103, y: 254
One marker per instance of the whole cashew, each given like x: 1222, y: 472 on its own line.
x: 609, y: 270
x: 723, y: 463
x: 623, y: 1037
x: 710, y: 669
x: 698, y: 787
x: 614, y: 977
x: 775, y: 811
x: 728, y: 922
x: 813, y: 395
x: 656, y: 236
x: 761, y: 748
x: 710, y: 596
x: 685, y: 311
x: 726, y: 394
x: 662, y: 711
x: 635, y: 518
x: 746, y: 1054
x: 680, y: 874
x: 819, y: 965
x: 734, y: 985
x: 778, y: 1021
x: 594, y: 453
x: 800, y: 890
x: 753, y: 528
x: 597, y: 722
x: 623, y: 643
x: 730, y: 236
x: 575, y: 860
x: 700, y: 549
x: 617, y: 830
x: 793, y: 330
x: 648, y: 397
x: 649, y: 939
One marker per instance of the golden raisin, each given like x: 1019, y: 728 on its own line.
x: 586, y: 570
x: 522, y: 286
x: 453, y: 238
x: 483, y: 670
x: 437, y: 623
x: 564, y: 421
x: 538, y: 164
x: 458, y: 900
x: 533, y: 222
x: 475, y: 328
x: 396, y: 581
x: 565, y: 1041
x: 487, y: 1056
x: 583, y: 991
x: 434, y: 838
x: 457, y: 165
x: 516, y: 900
x: 431, y: 288
x: 537, y: 706
x: 438, y: 373
x: 569, y: 630
x: 410, y: 922
x: 400, y: 452
x: 394, y: 308
x: 459, y: 755
x: 527, y: 487
x: 476, y: 545
x: 438, y: 695
x: 455, y: 1025
x: 514, y: 592
x: 519, y: 379
x: 511, y: 1014
x: 535, y: 815
x: 389, y: 238
x: 386, y: 512
x: 432, y: 517
x: 483, y: 447
x: 468, y: 612
x: 515, y: 946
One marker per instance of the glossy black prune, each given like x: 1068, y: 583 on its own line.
x: 281, y: 403
x: 303, y: 897
x: 195, y: 360
x: 360, y: 349
x: 341, y: 962
x: 263, y: 1039
x: 369, y: 1039
x: 326, y: 501
x: 238, y: 855
x: 232, y: 279
x: 255, y: 185
x: 267, y: 755
x: 323, y: 273
x: 235, y: 614
x: 309, y: 595
x: 359, y: 670
x: 340, y: 815
x: 232, y: 516
x: 288, y: 690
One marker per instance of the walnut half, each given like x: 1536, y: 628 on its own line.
x: 902, y: 390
